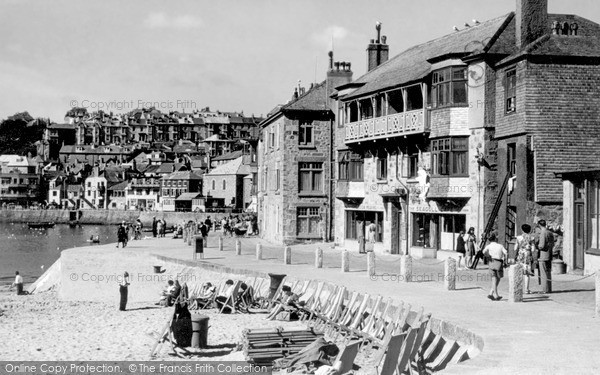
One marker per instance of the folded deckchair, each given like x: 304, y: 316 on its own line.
x: 392, y: 355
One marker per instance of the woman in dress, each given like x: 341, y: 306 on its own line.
x: 470, y: 241
x: 460, y: 247
x: 524, y: 253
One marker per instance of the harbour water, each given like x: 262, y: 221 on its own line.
x: 32, y: 251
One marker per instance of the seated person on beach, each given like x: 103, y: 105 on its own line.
x: 246, y: 298
x: 168, y: 295
x: 206, y: 293
x: 221, y: 299
x: 289, y: 302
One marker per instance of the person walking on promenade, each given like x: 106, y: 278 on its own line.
x: 524, y: 253
x: 123, y: 291
x: 18, y: 283
x: 470, y: 242
x: 545, y: 244
x: 208, y: 223
x: 498, y: 254
x: 460, y: 247
x: 154, y: 225
x: 122, y: 235
x: 159, y: 228
x: 204, y: 233
x: 163, y: 227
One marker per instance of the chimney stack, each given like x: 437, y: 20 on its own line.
x: 377, y: 51
x: 531, y: 21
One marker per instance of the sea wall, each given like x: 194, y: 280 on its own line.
x: 101, y: 216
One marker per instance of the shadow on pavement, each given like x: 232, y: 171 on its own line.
x: 573, y: 290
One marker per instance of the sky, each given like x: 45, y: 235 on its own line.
x: 186, y: 55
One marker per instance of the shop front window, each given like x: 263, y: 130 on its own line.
x: 358, y: 222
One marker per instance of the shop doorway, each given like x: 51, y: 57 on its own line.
x: 451, y: 225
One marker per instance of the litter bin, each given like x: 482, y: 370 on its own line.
x: 199, y: 250
x: 199, y: 331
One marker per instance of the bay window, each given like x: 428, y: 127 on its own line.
x: 449, y: 87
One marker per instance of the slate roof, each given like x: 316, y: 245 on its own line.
x: 228, y: 156
x: 559, y: 46
x: 412, y: 64
x: 119, y: 186
x: 187, y: 196
x: 234, y: 167
x: 314, y: 99
x: 183, y: 175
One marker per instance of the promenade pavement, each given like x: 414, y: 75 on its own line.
x: 555, y: 333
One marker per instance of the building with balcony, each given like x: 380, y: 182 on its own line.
x: 408, y: 131
x: 426, y: 139
x: 20, y: 180
x: 143, y: 193
x: 294, y: 157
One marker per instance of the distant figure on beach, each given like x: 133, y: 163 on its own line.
x: 122, y: 235
x: 498, y: 254
x: 154, y: 225
x: 18, y: 283
x: 123, y: 289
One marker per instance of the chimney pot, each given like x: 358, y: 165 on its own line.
x: 383, y: 39
x: 574, y: 28
x: 378, y: 28
x: 348, y: 66
x: 330, y: 60
x: 372, y: 41
x: 337, y: 65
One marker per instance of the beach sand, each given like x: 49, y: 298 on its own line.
x: 40, y: 327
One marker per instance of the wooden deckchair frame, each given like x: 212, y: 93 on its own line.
x: 345, y: 314
x: 311, y: 302
x: 231, y: 300
x: 333, y: 307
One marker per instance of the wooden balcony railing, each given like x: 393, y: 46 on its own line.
x: 398, y: 124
